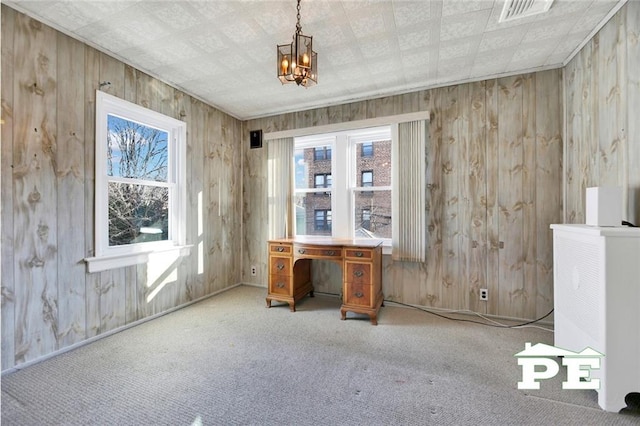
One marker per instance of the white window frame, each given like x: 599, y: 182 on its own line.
x: 355, y: 139
x: 109, y: 257
x: 344, y: 147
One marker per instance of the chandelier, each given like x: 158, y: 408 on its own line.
x: 297, y: 62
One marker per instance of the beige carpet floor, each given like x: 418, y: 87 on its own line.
x: 229, y: 360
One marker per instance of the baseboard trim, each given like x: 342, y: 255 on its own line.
x: 112, y: 332
x: 254, y: 285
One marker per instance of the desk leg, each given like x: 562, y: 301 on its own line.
x: 374, y: 318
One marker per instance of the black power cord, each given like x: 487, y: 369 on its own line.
x: 472, y: 321
x: 459, y: 319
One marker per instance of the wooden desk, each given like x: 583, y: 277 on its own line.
x: 361, y: 261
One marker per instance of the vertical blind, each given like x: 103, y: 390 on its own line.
x: 280, y: 187
x: 409, y: 186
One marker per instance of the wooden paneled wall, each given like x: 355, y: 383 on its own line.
x: 49, y: 302
x: 494, y: 187
x: 603, y: 116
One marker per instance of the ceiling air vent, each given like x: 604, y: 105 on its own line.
x: 515, y: 9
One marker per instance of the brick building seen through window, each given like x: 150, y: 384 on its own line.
x: 372, y: 209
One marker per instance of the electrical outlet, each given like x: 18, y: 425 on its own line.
x: 484, y: 294
x: 254, y: 271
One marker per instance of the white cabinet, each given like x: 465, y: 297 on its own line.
x: 597, y: 303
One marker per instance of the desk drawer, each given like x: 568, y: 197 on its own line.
x: 280, y: 265
x: 275, y: 248
x: 357, y: 273
x: 320, y: 252
x: 358, y: 294
x: 364, y: 254
x: 279, y: 284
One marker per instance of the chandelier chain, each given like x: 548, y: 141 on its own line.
x: 298, y: 26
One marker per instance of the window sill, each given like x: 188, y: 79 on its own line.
x: 104, y: 263
x: 386, y: 248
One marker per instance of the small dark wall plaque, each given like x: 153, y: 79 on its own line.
x: 255, y: 139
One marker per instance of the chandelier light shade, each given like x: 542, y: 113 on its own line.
x: 297, y: 62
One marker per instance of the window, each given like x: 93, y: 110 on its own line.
x: 140, y: 183
x: 313, y: 185
x: 366, y: 149
x: 323, y: 220
x: 323, y: 180
x: 365, y: 221
x: 367, y: 178
x: 322, y: 153
x: 344, y: 187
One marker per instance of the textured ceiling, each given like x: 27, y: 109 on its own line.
x: 224, y: 51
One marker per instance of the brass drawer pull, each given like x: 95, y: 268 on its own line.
x: 358, y: 273
x: 330, y: 253
x: 280, y: 249
x: 359, y: 254
x: 280, y: 285
x: 280, y: 266
x: 301, y: 251
x: 359, y: 294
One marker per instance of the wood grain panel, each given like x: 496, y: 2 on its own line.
x: 50, y: 142
x: 430, y: 294
x: 70, y: 162
x: 608, y: 92
x: 589, y: 147
x: 301, y: 119
x: 620, y: 121
x: 130, y: 84
x: 408, y: 103
x: 195, y: 196
x: 426, y: 284
x: 233, y: 226
x: 548, y: 178
x: 582, y: 152
x: 7, y: 279
x: 112, y: 75
x: 335, y: 114
x: 35, y: 197
x: 464, y: 208
x: 633, y: 110
x: 167, y: 97
x: 451, y: 197
x: 319, y: 117
x: 213, y: 193
x: 112, y: 298
x: 510, y: 165
x: 92, y: 281
x: 199, y: 111
x: 149, y: 293
x: 599, y: 94
x: 493, y: 211
x: 477, y: 199
x: 189, y: 268
x: 146, y: 93
x: 131, y: 301
x: 572, y: 119
x: 529, y: 218
x: 354, y: 111
x: 112, y: 289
